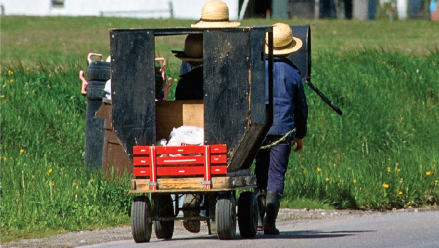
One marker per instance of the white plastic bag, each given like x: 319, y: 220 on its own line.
x: 186, y: 135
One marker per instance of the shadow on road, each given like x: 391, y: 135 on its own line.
x: 305, y: 234
x: 310, y: 234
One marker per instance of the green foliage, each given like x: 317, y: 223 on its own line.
x: 43, y: 181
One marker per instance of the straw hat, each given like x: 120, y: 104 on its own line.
x: 215, y: 14
x: 283, y: 41
x: 193, y: 49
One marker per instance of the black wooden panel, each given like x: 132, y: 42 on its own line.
x: 133, y: 87
x: 226, y: 85
x: 257, y: 102
x: 302, y: 57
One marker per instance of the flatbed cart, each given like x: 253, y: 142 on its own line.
x: 234, y: 114
x: 219, y: 190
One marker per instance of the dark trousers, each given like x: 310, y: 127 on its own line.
x: 271, y: 164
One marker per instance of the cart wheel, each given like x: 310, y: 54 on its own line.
x: 247, y: 215
x: 162, y: 206
x: 225, y: 216
x: 141, y: 225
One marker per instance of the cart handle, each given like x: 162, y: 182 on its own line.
x: 166, y: 89
x: 162, y: 69
x: 84, y: 82
x: 94, y: 54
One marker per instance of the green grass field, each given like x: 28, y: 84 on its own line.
x: 382, y: 153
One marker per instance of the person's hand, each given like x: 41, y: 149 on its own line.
x: 299, y: 143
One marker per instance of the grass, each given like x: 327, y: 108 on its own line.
x: 382, y: 153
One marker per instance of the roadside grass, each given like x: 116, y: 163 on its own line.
x: 382, y: 153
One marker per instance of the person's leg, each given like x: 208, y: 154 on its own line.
x: 192, y: 201
x: 261, y: 170
x: 279, y: 158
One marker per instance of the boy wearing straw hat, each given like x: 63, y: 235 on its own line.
x: 190, y: 87
x: 290, y: 112
x: 214, y: 14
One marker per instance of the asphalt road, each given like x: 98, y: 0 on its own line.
x: 407, y: 229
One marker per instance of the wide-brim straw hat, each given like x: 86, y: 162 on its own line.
x: 193, y: 49
x: 215, y: 14
x: 283, y: 40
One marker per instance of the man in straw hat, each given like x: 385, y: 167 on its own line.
x: 215, y: 14
x: 290, y: 112
x: 190, y: 85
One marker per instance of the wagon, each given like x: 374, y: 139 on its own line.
x: 233, y: 113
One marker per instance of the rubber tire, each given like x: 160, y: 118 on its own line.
x: 141, y: 224
x: 248, y: 211
x: 99, y: 71
x: 163, y: 206
x: 225, y: 216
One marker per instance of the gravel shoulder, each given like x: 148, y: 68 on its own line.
x: 83, y: 238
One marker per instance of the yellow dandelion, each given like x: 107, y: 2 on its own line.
x: 12, y: 80
x: 50, y: 170
x: 402, y: 179
x: 92, y: 180
x: 53, y: 184
x: 385, y: 185
x: 388, y: 159
x: 28, y: 69
x: 327, y: 179
x: 435, y: 181
x: 11, y: 72
x: 47, y: 173
x: 355, y: 181
x: 427, y: 173
x: 65, y: 175
x: 397, y: 164
x: 4, y: 86
x: 74, y: 183
x: 5, y: 159
x: 398, y: 170
x: 388, y: 169
x: 410, y: 206
x: 400, y: 193
x: 22, y: 150
x: 3, y: 96
x: 318, y: 169
x: 48, y: 86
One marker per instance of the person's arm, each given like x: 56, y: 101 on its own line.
x: 300, y: 110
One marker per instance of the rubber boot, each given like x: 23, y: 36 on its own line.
x: 261, y: 195
x: 272, y: 209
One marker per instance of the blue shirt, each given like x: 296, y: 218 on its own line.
x: 290, y: 108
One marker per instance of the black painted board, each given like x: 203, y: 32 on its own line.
x: 133, y: 87
x: 226, y: 86
x: 257, y: 78
x: 302, y: 57
x: 246, y: 150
